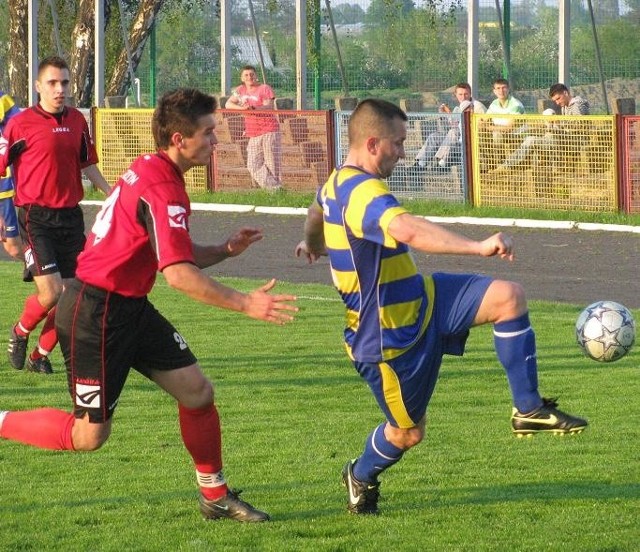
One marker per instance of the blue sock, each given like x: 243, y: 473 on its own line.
x: 379, y: 454
x: 515, y: 344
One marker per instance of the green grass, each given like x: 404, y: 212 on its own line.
x: 293, y: 411
x: 431, y: 208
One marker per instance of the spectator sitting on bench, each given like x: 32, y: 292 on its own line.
x: 532, y: 144
x: 427, y: 157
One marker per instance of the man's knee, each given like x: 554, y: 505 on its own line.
x: 88, y: 437
x: 404, y: 438
x: 204, y: 395
x: 510, y: 299
x: 49, y: 289
x: 199, y: 395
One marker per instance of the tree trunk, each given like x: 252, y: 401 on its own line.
x: 18, y: 57
x: 81, y: 58
x: 144, y: 21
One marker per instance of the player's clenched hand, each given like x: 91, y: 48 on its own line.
x: 270, y: 308
x: 302, y: 250
x: 3, y: 229
x: 242, y: 239
x: 498, y: 244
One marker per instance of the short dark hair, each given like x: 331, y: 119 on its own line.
x: 52, y: 61
x: 373, y: 115
x: 247, y: 68
x: 557, y: 88
x: 500, y: 81
x: 179, y: 111
x: 464, y: 85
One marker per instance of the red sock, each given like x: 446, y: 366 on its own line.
x: 200, y: 428
x: 48, y: 335
x: 32, y: 314
x: 46, y: 428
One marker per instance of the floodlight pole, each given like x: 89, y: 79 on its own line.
x: 598, y: 56
x: 254, y: 25
x: 473, y: 46
x: 564, y: 42
x: 301, y: 53
x: 225, y: 47
x: 32, y: 15
x: 99, y: 66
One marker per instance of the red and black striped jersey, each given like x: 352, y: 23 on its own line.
x: 143, y: 227
x: 57, y: 147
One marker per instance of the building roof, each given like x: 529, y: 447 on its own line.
x: 245, y: 50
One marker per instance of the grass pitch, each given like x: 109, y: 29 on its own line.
x: 293, y: 411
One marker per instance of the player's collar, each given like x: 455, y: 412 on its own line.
x: 163, y: 155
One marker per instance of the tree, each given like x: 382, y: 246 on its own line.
x: 80, y: 46
x: 81, y: 64
x: 142, y: 25
x: 17, y: 56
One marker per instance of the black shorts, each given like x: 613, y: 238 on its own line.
x: 102, y: 336
x: 53, y: 239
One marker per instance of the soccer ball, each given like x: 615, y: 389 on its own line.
x: 605, y: 331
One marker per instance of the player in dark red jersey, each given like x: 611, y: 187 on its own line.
x: 107, y: 325
x: 50, y: 147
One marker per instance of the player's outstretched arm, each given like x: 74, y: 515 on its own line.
x: 259, y: 304
x: 312, y: 246
x: 92, y: 172
x: 208, y: 255
x: 429, y: 237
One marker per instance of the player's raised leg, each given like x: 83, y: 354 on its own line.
x: 505, y: 305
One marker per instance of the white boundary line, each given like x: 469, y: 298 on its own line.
x: 478, y: 221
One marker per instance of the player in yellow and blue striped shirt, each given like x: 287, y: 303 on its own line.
x: 9, y: 233
x: 399, y: 323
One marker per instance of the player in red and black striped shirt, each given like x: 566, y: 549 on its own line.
x: 50, y: 146
x: 107, y: 324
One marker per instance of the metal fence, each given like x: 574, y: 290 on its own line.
x: 630, y: 156
x: 423, y: 53
x: 383, y: 49
x: 121, y: 135
x: 301, y: 155
x: 545, y: 162
x: 589, y: 163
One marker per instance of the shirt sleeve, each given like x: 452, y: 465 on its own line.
x: 370, y: 210
x: 88, y: 153
x: 5, y: 142
x: 266, y: 92
x: 166, y: 217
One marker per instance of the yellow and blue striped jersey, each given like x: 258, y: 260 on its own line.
x: 376, y: 276
x: 7, y: 110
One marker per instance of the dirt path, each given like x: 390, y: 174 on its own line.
x: 569, y: 266
x: 572, y: 266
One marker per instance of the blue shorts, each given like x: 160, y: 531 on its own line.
x: 8, y: 213
x: 403, y: 386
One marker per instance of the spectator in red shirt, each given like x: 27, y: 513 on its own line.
x: 264, y: 149
x: 51, y: 147
x: 107, y: 325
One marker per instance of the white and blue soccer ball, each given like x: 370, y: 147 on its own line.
x: 605, y: 331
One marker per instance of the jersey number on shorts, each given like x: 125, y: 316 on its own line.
x: 180, y: 341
